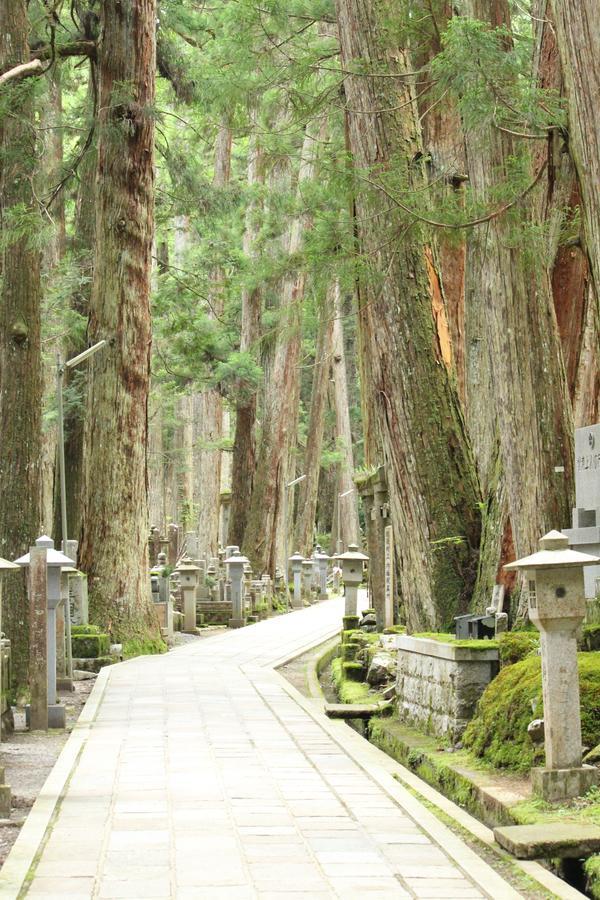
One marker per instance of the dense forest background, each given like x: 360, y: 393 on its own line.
x: 317, y: 237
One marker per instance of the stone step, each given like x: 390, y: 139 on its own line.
x: 352, y: 710
x: 549, y: 839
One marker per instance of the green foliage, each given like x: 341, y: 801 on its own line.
x: 498, y: 733
x: 143, y: 647
x: 90, y: 646
x: 517, y: 645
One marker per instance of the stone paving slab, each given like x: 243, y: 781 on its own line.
x: 201, y: 775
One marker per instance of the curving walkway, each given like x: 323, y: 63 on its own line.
x: 201, y: 774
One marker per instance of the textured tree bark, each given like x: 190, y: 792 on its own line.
x: 244, y: 445
x: 114, y: 545
x: 208, y: 405
x: 309, y: 488
x: 525, y: 364
x: 20, y: 370
x: 570, y: 274
x: 348, y: 518
x: 431, y: 474
x: 82, y: 247
x: 263, y: 539
x: 577, y: 24
x: 54, y: 248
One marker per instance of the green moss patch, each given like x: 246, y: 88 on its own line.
x: 90, y: 646
x: 85, y: 629
x: 498, y: 733
x: 517, y: 645
x: 143, y: 647
x: 590, y: 638
x: 446, y: 638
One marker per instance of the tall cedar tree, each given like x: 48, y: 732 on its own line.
x: 431, y: 473
x: 20, y: 367
x: 114, y: 545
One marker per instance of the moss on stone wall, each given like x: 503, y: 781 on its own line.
x: 445, y: 638
x: 498, y: 733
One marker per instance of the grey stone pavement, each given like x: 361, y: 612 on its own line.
x: 203, y: 776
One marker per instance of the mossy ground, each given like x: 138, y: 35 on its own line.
x: 143, y: 647
x: 351, y: 691
x: 498, y: 733
x: 446, y: 638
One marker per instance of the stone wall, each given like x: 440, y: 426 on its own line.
x: 214, y: 612
x: 438, y: 685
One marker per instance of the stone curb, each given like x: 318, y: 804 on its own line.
x: 13, y: 876
x: 375, y: 762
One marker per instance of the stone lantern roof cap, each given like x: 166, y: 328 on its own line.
x: 54, y: 559
x: 319, y: 554
x: 5, y: 564
x: 555, y: 552
x: 236, y: 557
x: 297, y: 557
x: 186, y: 565
x: 352, y: 553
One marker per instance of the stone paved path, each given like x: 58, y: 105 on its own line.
x: 202, y: 777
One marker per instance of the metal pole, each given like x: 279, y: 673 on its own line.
x: 60, y: 371
x: 285, y: 548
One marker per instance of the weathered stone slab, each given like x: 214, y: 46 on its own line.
x: 438, y: 684
x: 546, y: 840
x: 351, y: 710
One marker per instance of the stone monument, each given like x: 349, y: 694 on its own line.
x: 295, y: 562
x: 585, y: 533
x: 556, y: 606
x: 235, y: 564
x: 188, y: 579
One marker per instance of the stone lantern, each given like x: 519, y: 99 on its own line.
x: 322, y: 560
x: 352, y: 572
x: 235, y: 564
x: 55, y: 561
x: 307, y: 567
x: 188, y: 580
x: 295, y: 562
x: 556, y: 602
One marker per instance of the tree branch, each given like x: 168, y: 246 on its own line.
x: 73, y: 48
x: 25, y: 70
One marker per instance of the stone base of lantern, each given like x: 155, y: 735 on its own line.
x: 57, y: 716
x: 297, y: 603
x: 563, y: 784
x: 236, y: 623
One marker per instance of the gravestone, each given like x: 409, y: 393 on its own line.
x: 585, y: 533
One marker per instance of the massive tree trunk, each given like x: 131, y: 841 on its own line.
x: 263, y: 540
x: 20, y: 374
x: 524, y: 358
x: 309, y: 488
x: 431, y: 474
x: 349, y: 531
x: 577, y: 24
x: 114, y: 546
x: 208, y: 405
x: 572, y: 279
x: 244, y: 445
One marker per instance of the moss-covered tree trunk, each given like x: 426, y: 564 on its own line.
x: 244, y: 445
x: 20, y: 371
x: 114, y: 546
x: 431, y: 474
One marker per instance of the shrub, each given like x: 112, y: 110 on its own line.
x: 498, y: 733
